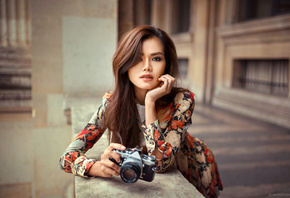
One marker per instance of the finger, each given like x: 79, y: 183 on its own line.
x: 160, y: 84
x: 167, y: 76
x: 170, y: 78
x: 113, y: 154
x: 111, y: 167
x: 163, y: 78
x: 168, y: 81
x: 171, y: 81
x: 117, y: 146
x: 106, y: 172
x: 165, y: 83
x: 116, y: 156
x: 114, y: 146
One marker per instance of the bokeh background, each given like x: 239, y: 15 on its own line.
x: 56, y: 55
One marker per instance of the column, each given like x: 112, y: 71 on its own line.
x: 3, y: 24
x: 21, y: 23
x: 11, y: 13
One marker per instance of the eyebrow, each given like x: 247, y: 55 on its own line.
x: 154, y: 54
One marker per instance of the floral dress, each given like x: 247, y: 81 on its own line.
x: 168, y: 134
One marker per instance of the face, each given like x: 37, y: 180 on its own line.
x: 144, y: 75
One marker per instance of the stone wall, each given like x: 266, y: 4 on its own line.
x: 72, y: 46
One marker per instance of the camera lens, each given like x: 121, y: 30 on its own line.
x: 130, y: 173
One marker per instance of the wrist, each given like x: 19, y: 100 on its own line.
x: 93, y: 171
x: 150, y: 112
x: 149, y: 101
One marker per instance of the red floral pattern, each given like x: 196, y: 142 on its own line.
x: 168, y: 134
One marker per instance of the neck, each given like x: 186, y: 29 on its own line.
x: 140, y: 95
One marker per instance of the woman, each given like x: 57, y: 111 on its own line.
x: 145, y: 109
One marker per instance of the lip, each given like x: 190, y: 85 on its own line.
x: 146, y: 77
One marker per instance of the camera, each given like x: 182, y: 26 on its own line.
x: 135, y: 165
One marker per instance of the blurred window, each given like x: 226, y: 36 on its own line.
x: 263, y: 76
x: 181, y: 16
x: 142, y: 12
x: 257, y: 9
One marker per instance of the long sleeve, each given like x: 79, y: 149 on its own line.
x: 73, y: 159
x: 168, y: 131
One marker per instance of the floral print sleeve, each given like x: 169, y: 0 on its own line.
x: 168, y: 132
x: 74, y: 160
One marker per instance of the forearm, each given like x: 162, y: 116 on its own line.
x: 150, y: 117
x: 73, y: 162
x: 150, y: 112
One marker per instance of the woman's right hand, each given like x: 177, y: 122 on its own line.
x: 105, y: 167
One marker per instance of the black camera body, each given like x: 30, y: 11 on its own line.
x: 135, y: 165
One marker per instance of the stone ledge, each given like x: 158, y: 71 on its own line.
x: 168, y: 184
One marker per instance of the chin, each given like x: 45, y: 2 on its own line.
x: 147, y: 87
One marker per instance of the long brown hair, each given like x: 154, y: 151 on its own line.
x: 121, y: 115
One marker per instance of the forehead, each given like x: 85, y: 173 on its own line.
x: 152, y: 45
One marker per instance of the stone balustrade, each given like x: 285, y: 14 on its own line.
x: 14, y: 23
x: 15, y: 56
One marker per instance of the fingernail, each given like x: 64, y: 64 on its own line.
x: 123, y: 147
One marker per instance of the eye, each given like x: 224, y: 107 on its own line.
x: 157, y: 58
x: 140, y: 59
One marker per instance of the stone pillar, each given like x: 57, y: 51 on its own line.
x: 21, y: 24
x: 3, y: 23
x: 197, y: 73
x: 168, y: 14
x: 231, y: 11
x: 211, y: 53
x: 11, y: 30
x: 158, y: 13
x: 125, y: 16
x: 15, y: 23
x: 142, y: 12
x: 15, y: 60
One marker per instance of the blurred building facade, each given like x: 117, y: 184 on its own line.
x: 233, y: 54
x: 54, y: 54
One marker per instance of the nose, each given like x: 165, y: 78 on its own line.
x: 147, y: 66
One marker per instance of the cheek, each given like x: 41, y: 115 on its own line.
x: 129, y: 73
x: 132, y: 74
x: 161, y: 70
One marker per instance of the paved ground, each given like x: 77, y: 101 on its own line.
x: 253, y: 156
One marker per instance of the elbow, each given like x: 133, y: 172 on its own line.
x: 64, y: 165
x: 164, y: 166
x: 160, y: 170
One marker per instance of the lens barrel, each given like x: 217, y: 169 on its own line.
x: 130, y: 172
